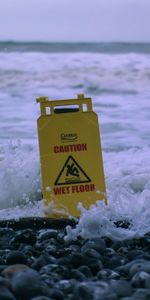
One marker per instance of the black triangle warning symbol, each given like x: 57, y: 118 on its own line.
x: 71, y: 173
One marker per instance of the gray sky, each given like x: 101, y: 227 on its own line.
x: 75, y: 20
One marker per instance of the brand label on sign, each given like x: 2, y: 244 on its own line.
x: 68, y: 137
x: 72, y: 173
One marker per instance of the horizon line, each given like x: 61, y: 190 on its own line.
x: 73, y: 42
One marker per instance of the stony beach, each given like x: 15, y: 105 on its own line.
x: 40, y: 264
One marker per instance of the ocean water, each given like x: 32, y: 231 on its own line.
x: 117, y: 77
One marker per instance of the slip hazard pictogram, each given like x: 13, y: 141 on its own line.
x: 71, y: 173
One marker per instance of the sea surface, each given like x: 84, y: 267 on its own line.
x: 117, y: 77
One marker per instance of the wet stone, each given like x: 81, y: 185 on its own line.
x: 55, y: 272
x: 85, y: 271
x: 107, y: 274
x: 135, y: 254
x: 97, y: 243
x: 2, y: 261
x: 5, y: 282
x: 26, y: 236
x: 103, y: 290
x: 140, y: 280
x: 10, y: 271
x: 76, y: 274
x: 16, y: 257
x: 43, y: 260
x: 121, y: 287
x: 110, y: 252
x: 92, y: 253
x: 41, y: 298
x: 26, y: 284
x: 66, y: 286
x: 48, y: 234
x: 140, y: 266
x: 5, y: 294
x: 56, y: 294
x: 83, y: 291
x: 6, y: 234
x: 142, y: 294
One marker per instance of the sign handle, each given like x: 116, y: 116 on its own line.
x: 81, y: 101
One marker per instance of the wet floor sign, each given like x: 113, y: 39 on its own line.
x: 70, y: 154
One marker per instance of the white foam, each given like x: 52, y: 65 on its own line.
x: 20, y: 175
x: 128, y: 199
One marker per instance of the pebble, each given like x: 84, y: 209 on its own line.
x: 26, y: 284
x: 5, y: 294
x: 26, y: 236
x: 48, y: 234
x: 41, y: 298
x: 121, y: 287
x: 41, y: 265
x: 96, y: 243
x: 16, y: 257
x: 10, y: 271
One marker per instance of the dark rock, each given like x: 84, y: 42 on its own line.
x: 139, y: 266
x: 108, y: 241
x: 51, y: 250
x: 65, y: 260
x: 112, y: 262
x: 83, y: 291
x: 47, y: 280
x: 139, y: 279
x: 117, y: 245
x: 27, y: 284
x: 77, y: 260
x: 106, y: 274
x: 110, y: 252
x: 56, y: 294
x: 10, y: 271
x: 43, y: 260
x: 142, y: 294
x: 93, y: 263
x: 96, y: 243
x: 123, y: 251
x: 48, y: 234
x: 2, y: 262
x: 28, y: 250
x: 92, y: 253
x: 125, y: 269
x: 121, y: 287
x: 74, y: 248
x: 66, y: 286
x: 55, y: 272
x: 41, y: 298
x: 76, y: 274
x: 16, y: 257
x: 123, y: 224
x: 103, y: 274
x: 6, y: 234
x: 63, y: 252
x: 86, y: 271
x: 135, y: 254
x: 5, y: 283
x: 5, y: 294
x: 102, y: 290
x: 26, y: 236
x: 147, y: 284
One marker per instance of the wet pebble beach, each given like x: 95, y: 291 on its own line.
x: 40, y: 264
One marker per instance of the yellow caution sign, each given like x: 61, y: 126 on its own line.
x: 71, y: 156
